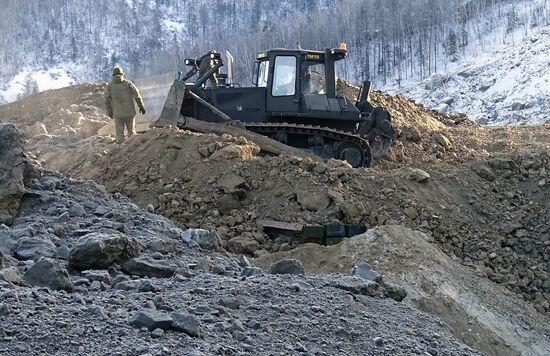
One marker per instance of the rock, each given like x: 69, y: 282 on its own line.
x: 243, y: 245
x: 49, y: 273
x: 442, y: 107
x: 448, y: 100
x: 234, y: 151
x: 101, y: 250
x: 77, y: 210
x: 357, y: 286
x: 206, y: 239
x: 32, y: 248
x: 254, y: 324
x: 157, y: 333
x: 411, y: 212
x: 244, y: 262
x: 434, y: 81
x: 230, y: 303
x: 101, y: 276
x: 227, y: 203
x: 486, y: 84
x: 232, y: 183
x: 378, y: 341
x: 251, y: 271
x: 205, y: 264
x: 442, y: 140
x: 4, y: 309
x: 415, y: 174
x: 146, y: 268
x: 313, y: 200
x: 10, y: 275
x: 62, y: 252
x: 147, y: 286
x: 394, y: 292
x: 12, y: 168
x: 518, y: 106
x: 365, y: 271
x: 287, y: 266
x: 484, y: 172
x: 151, y: 319
x: 186, y: 323
x: 6, y: 241
x: 151, y: 209
x: 354, y: 211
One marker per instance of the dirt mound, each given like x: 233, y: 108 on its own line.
x: 482, y: 314
x: 54, y: 119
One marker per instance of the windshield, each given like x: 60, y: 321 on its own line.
x: 284, y: 77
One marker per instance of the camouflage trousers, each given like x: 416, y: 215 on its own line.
x: 120, y: 123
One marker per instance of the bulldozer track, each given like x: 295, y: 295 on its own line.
x: 311, y: 130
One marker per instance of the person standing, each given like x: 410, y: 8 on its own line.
x: 205, y: 64
x: 119, y: 101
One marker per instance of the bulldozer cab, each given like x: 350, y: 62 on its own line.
x: 299, y: 82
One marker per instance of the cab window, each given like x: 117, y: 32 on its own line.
x: 313, y: 78
x: 263, y: 71
x: 284, y: 76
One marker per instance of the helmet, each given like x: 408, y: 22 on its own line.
x: 118, y: 70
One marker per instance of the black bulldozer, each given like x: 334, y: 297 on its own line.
x: 293, y: 100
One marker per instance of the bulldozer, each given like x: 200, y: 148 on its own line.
x: 293, y: 100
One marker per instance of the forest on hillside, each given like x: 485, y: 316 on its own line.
x: 388, y: 39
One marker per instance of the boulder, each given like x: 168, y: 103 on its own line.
x: 354, y: 211
x: 10, y: 275
x: 357, y: 286
x: 12, y: 167
x: 232, y: 183
x: 49, y: 273
x: 101, y: 250
x: 442, y: 140
x: 147, y: 268
x: 234, y: 151
x: 365, y: 271
x: 484, y: 172
x: 394, y: 292
x: 287, y: 266
x: 227, y: 203
x: 250, y: 271
x: 206, y: 239
x: 313, y: 200
x: 243, y: 245
x: 186, y: 323
x: 6, y: 241
x: 151, y: 319
x: 32, y: 248
x: 415, y: 174
x: 434, y: 81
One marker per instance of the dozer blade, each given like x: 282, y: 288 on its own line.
x: 170, y: 114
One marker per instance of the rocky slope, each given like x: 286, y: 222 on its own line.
x: 85, y: 271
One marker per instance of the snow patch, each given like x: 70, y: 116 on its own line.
x: 29, y: 81
x: 510, y: 85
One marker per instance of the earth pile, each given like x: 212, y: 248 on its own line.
x: 87, y: 271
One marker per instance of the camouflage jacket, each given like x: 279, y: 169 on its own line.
x: 119, y: 98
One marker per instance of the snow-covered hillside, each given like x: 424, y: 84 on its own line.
x: 510, y: 85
